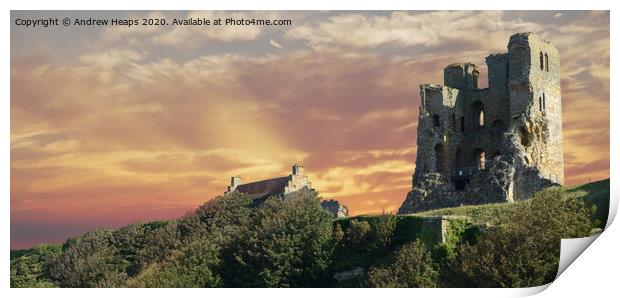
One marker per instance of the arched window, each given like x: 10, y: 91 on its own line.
x: 541, y: 61
x: 544, y: 104
x: 479, y: 158
x: 546, y: 62
x: 439, y: 157
x: 462, y: 124
x: 478, y: 109
x: 436, y: 120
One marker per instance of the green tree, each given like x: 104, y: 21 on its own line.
x: 30, y: 268
x: 524, y: 250
x: 382, y: 230
x: 287, y: 244
x: 89, y: 261
x: 338, y: 235
x: 219, y: 220
x: 357, y: 236
x: 412, y: 268
x: 192, y: 267
x: 144, y: 243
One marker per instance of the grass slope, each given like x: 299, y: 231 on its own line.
x: 594, y: 194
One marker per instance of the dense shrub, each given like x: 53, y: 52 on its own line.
x: 292, y: 242
x: 145, y: 243
x: 524, y: 250
x: 193, y: 267
x: 220, y: 219
x: 89, y: 261
x: 412, y: 268
x: 357, y: 235
x: 29, y: 268
x: 382, y: 230
x: 287, y: 244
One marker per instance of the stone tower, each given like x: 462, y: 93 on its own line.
x: 495, y: 144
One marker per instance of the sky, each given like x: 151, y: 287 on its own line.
x: 112, y: 125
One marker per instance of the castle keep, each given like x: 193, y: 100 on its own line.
x: 497, y: 144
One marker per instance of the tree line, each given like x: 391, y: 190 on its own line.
x: 292, y: 241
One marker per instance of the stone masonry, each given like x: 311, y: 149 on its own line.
x: 281, y: 186
x: 497, y: 144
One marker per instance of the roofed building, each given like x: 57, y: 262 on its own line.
x: 281, y: 186
x: 272, y: 187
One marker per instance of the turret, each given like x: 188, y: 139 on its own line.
x: 536, y: 102
x: 298, y: 170
x: 462, y: 76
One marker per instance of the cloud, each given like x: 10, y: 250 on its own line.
x: 112, y: 58
x: 276, y: 45
x: 405, y: 29
x: 133, y: 131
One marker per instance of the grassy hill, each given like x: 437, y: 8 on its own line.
x: 594, y: 194
x: 295, y: 242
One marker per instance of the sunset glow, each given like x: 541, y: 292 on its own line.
x: 113, y: 125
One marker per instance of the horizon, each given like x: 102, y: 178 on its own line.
x: 139, y: 124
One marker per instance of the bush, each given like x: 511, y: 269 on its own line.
x: 29, y: 267
x: 412, y: 268
x: 89, y: 261
x: 145, y: 243
x: 524, y: 250
x: 219, y: 219
x: 357, y: 235
x: 382, y: 230
x: 288, y: 244
x: 191, y: 268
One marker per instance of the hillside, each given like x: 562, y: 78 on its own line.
x: 294, y: 242
x: 594, y: 194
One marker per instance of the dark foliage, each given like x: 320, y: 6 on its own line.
x: 287, y: 244
x: 412, y: 267
x: 232, y: 241
x: 524, y: 250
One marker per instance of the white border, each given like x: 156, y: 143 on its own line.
x: 594, y: 272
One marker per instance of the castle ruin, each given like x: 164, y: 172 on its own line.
x: 491, y: 145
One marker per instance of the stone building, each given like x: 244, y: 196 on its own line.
x: 334, y: 207
x: 497, y: 144
x: 281, y: 186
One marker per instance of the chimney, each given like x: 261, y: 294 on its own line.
x: 234, y: 182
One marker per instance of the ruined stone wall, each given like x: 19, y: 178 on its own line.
x: 495, y: 144
x: 297, y: 180
x: 536, y: 104
x: 334, y: 207
x: 436, y: 129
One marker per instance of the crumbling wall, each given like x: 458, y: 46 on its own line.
x: 498, y: 144
x: 334, y: 207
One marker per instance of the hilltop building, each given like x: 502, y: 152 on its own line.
x: 281, y: 186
